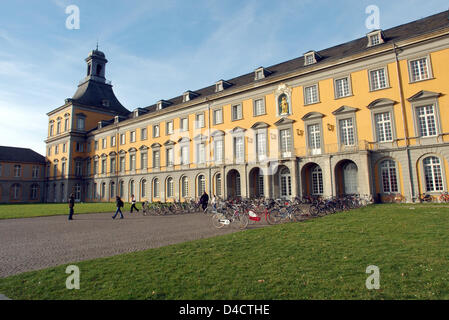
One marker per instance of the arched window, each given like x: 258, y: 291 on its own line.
x: 122, y: 189
x: 16, y: 190
x: 218, y: 185
x: 170, y: 191
x: 184, y: 187
x: 156, y: 188
x: 103, y: 190
x: 389, y: 176
x: 201, y: 184
x: 131, y: 187
x: 286, y: 183
x: 112, y: 190
x: 143, y: 188
x: 317, y: 181
x: 34, y: 194
x: 433, y: 174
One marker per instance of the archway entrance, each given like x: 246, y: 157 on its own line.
x: 256, y: 183
x: 233, y: 184
x: 346, y: 173
x: 312, y: 180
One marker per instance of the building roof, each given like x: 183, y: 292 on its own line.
x: 13, y: 154
x: 393, y: 35
x: 94, y: 93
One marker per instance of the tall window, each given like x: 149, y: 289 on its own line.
x: 122, y: 189
x: 170, y: 157
x: 218, y: 150
x: 218, y: 116
x: 201, y: 153
x: 131, y: 187
x: 156, y: 159
x: 237, y: 112
x: 156, y: 188
x: 378, y: 79
x: 122, y: 139
x: 383, y: 127
x: 133, y: 136
x: 201, y: 185
x: 77, y: 192
x: 35, y: 172
x: 259, y: 107
x: 184, y: 187
x: 15, y: 190
x: 184, y: 124
x: 314, y: 133
x: 239, y: 149
x: 199, y: 121
x: 286, y: 141
x: 58, y: 127
x: 132, y: 162
x: 95, y: 166
x: 17, y: 170
x: 170, y: 127
x: 156, y: 131
x: 433, y: 174
x: 389, y: 176
x: 144, y: 160
x: 261, y: 145
x: 347, y: 132
x: 143, y: 134
x: 426, y: 121
x: 122, y: 164
x: 143, y: 188
x: 113, y: 164
x: 112, y: 190
x: 103, y: 190
x: 63, y: 168
x: 78, y: 169
x: 286, y: 183
x: 104, y: 143
x: 184, y: 155
x: 55, y: 170
x: 317, y: 181
x: 342, y: 87
x: 34, y: 192
x: 113, y: 141
x: 311, y: 94
x: 218, y: 185
x: 170, y: 185
x: 419, y: 70
x: 103, y: 166
x: 80, y: 124
x: 51, y: 129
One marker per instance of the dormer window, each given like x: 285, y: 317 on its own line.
x: 375, y: 38
x: 162, y: 104
x: 310, y: 57
x: 105, y: 103
x: 261, y: 73
x: 189, y: 95
x: 221, y: 85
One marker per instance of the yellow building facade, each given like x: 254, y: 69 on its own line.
x: 366, y: 117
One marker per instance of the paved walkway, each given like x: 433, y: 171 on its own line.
x: 38, y: 243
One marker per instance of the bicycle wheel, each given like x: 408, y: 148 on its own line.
x: 274, y: 217
x: 216, y: 220
x: 313, y: 210
x: 298, y: 214
x: 241, y: 222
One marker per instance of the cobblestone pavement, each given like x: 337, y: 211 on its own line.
x: 38, y: 243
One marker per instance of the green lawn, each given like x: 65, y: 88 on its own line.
x: 13, y: 211
x: 320, y: 259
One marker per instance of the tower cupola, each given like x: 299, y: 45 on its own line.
x: 96, y: 66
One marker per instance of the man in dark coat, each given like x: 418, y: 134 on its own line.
x: 119, y: 204
x: 71, y: 206
x: 204, y: 200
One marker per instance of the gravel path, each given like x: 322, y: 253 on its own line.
x: 38, y: 243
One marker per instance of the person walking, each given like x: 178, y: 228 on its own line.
x: 119, y: 204
x: 133, y: 203
x: 71, y: 206
x: 204, y: 201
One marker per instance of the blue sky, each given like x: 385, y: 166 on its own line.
x: 159, y: 49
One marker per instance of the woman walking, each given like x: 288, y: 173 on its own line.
x: 133, y: 203
x: 119, y: 204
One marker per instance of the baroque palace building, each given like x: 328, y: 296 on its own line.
x: 370, y: 116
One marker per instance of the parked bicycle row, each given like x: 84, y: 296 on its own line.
x: 241, y: 212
